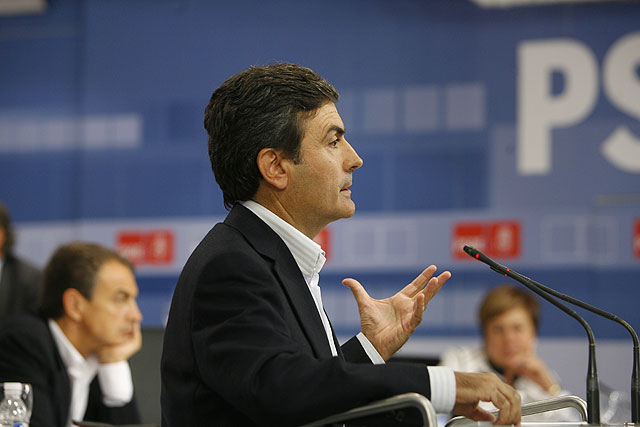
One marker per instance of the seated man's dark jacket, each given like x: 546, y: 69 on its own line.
x: 19, y: 287
x: 29, y: 355
x: 244, y: 344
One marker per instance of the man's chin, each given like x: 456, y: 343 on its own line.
x: 350, y: 209
x: 344, y: 212
x: 347, y: 214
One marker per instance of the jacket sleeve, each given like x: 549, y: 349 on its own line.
x: 247, y: 352
x: 354, y: 352
x: 98, y: 411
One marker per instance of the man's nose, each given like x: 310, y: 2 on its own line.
x: 135, y: 313
x: 352, y: 160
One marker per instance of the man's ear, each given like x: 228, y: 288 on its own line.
x: 74, y: 303
x: 274, y: 167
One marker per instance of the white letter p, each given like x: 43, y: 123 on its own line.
x: 539, y: 110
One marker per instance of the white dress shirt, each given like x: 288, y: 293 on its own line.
x: 308, y: 255
x: 310, y: 259
x: 115, y: 378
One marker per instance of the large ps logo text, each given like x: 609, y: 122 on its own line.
x: 540, y: 110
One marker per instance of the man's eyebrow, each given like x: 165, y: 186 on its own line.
x: 337, y: 129
x: 122, y: 292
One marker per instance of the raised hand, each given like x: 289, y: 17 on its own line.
x: 123, y: 351
x: 388, y: 323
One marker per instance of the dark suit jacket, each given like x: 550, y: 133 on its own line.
x: 29, y: 355
x: 19, y: 287
x: 244, y: 344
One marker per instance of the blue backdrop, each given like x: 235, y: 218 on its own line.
x: 101, y: 107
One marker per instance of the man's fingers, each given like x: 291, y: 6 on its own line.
x: 473, y: 412
x: 137, y: 332
x: 507, y: 400
x: 480, y: 414
x: 434, y: 286
x: 510, y: 406
x: 488, y: 387
x: 443, y: 277
x: 418, y: 283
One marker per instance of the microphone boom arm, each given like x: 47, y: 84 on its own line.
x: 635, y: 373
x: 593, y: 389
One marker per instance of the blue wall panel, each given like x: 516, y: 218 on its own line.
x: 101, y: 108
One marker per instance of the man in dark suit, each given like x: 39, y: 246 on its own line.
x: 75, y: 353
x: 19, y: 280
x: 247, y: 340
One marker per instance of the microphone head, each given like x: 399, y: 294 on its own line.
x: 472, y: 252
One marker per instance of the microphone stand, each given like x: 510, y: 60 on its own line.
x: 593, y: 389
x: 635, y: 373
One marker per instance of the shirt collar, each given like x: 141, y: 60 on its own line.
x: 71, y: 357
x: 308, y: 254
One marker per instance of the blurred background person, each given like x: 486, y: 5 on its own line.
x: 75, y: 352
x: 509, y: 318
x: 19, y: 280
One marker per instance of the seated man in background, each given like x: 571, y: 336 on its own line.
x: 509, y: 318
x: 75, y: 352
x: 19, y: 280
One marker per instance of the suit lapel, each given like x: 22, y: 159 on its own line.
x: 303, y: 304
x: 269, y: 244
x: 61, y: 382
x: 63, y: 391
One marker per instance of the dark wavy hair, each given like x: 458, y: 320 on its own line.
x: 5, y: 224
x: 261, y: 107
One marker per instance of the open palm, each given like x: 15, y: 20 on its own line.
x: 388, y: 323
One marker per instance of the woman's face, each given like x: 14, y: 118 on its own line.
x: 509, y: 337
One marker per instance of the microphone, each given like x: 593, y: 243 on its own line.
x: 635, y: 373
x: 593, y: 389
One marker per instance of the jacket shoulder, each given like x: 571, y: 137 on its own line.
x: 32, y: 349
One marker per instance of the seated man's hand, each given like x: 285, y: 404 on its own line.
x: 123, y: 351
x: 472, y: 388
x: 388, y: 323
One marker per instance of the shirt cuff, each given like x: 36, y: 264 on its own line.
x: 443, y: 388
x: 116, y: 383
x: 371, y: 351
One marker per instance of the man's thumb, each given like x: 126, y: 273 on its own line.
x: 356, y: 288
